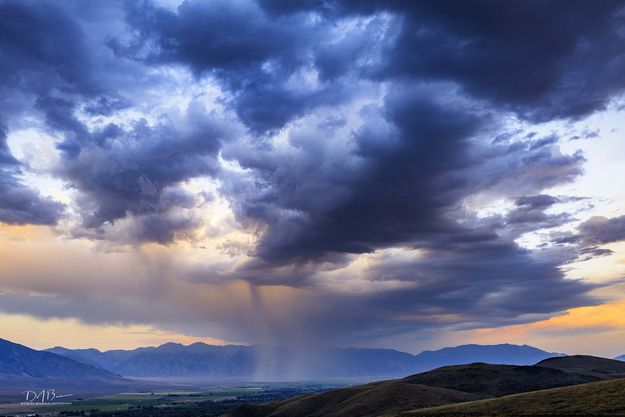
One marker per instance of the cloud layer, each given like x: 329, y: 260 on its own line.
x: 354, y: 148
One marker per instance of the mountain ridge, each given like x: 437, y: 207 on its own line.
x: 19, y: 360
x: 284, y: 363
x: 24, y: 369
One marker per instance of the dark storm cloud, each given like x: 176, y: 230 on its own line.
x: 32, y: 62
x: 414, y: 162
x: 162, y: 228
x: 45, y: 65
x: 18, y: 203
x: 59, y: 70
x: 47, y: 57
x: 492, y: 51
x: 591, y: 234
x: 259, y: 58
x: 136, y: 172
x: 398, y: 195
x: 537, y: 202
x: 590, y: 252
x: 435, y: 84
x: 230, y: 40
x: 41, y: 46
x: 464, y: 280
x: 541, y: 59
x: 529, y: 214
x: 602, y: 230
x: 217, y: 36
x: 491, y: 278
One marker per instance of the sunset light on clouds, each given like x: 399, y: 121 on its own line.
x: 268, y: 172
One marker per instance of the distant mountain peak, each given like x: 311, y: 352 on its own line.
x: 200, y: 344
x: 476, y: 346
x: 171, y: 344
x: 61, y: 348
x: 504, y: 353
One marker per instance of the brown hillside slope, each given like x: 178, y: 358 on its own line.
x: 604, y: 398
x: 447, y: 385
x: 363, y: 401
x: 497, y: 380
x: 587, y: 365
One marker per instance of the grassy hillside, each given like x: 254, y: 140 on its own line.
x: 605, y: 398
x: 588, y: 365
x: 364, y: 400
x: 497, y: 380
x: 446, y: 385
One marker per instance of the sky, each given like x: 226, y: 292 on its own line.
x: 406, y: 175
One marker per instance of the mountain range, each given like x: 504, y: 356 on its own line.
x: 23, y: 368
x: 282, y: 363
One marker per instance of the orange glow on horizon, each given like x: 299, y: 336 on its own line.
x: 71, y: 333
x: 582, y: 330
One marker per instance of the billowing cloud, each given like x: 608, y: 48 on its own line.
x: 264, y: 62
x: 18, y: 203
x: 542, y: 60
x: 353, y: 151
x: 530, y: 214
x: 594, y: 233
x: 601, y: 230
x: 411, y: 165
x: 137, y: 171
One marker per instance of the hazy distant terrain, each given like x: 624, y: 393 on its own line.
x: 281, y: 363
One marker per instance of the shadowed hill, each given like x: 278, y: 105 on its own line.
x: 604, y: 398
x: 447, y: 385
x: 496, y: 380
x: 587, y: 365
x: 364, y: 400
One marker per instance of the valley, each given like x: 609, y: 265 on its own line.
x: 175, y: 380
